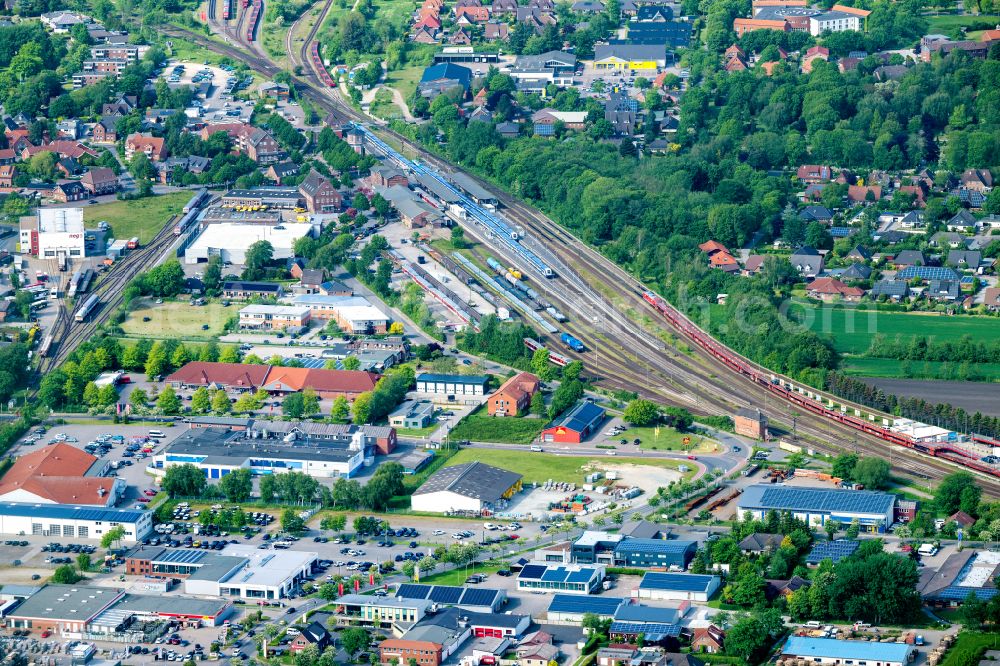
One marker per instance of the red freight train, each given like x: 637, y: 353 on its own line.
x: 765, y: 378
x: 318, y: 66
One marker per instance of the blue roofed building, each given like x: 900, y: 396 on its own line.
x: 566, y: 578
x: 655, y: 553
x: 443, y: 77
x: 961, y: 574
x: 677, y: 587
x: 873, y: 510
x: 834, y: 651
x: 575, y: 425
x: 834, y: 551
x: 927, y: 273
x: 570, y: 608
x: 70, y: 521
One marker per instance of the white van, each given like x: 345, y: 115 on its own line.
x: 537, y: 449
x: 156, y: 434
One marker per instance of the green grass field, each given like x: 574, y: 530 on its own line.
x: 539, y: 467
x: 852, y: 330
x: 177, y: 319
x: 480, y: 427
x: 891, y: 368
x: 950, y: 25
x: 405, y: 80
x: 458, y: 576
x: 668, y: 440
x: 142, y: 217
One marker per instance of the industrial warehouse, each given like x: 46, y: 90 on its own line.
x: 874, y: 511
x: 472, y: 488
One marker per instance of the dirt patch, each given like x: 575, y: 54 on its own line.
x: 646, y: 477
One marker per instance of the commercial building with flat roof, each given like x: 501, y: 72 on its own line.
x: 678, y: 586
x: 452, y: 385
x: 874, y: 511
x: 353, y: 314
x: 570, y: 608
x: 472, y: 487
x: 263, y: 317
x: 655, y: 553
x: 239, y: 570
x: 230, y: 241
x: 564, y: 578
x: 218, y: 452
x: 77, y: 522
x: 366, y: 609
x: 472, y: 599
x: 54, y: 232
x: 63, y: 609
x: 412, y: 414
x: 836, y: 651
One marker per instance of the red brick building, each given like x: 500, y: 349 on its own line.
x: 319, y: 193
x: 513, y: 398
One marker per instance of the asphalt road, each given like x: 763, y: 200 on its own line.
x: 973, y: 397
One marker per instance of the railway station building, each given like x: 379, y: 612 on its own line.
x: 874, y: 511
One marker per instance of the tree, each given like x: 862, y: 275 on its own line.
x: 872, y: 472
x: 750, y: 636
x: 292, y: 406
x: 237, y: 485
x: 948, y: 497
x: 336, y: 522
x: 355, y: 640
x: 267, y: 488
x: 458, y: 237
x: 168, y: 402
x: 292, y: 522
x: 112, y: 536
x: 310, y: 402
x: 83, y: 562
x: 139, y: 399
x: 66, y: 575
x: 351, y: 363
x: 641, y: 412
x: 184, y: 481
x: 843, y: 465
x: 538, y: 404
x: 340, y: 410
x: 201, y: 401
x: 220, y: 402
x: 258, y: 257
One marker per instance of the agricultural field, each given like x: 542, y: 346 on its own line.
x: 177, y: 319
x: 852, y: 330
x: 540, y: 467
x: 891, y: 368
x: 141, y: 217
x: 951, y: 25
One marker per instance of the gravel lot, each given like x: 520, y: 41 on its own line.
x: 974, y: 397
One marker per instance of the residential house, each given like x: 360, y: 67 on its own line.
x: 654, y: 13
x: 244, y: 291
x: 760, y: 543
x: 513, y: 398
x: 320, y: 194
x: 504, y: 6
x: 785, y: 588
x: 708, y: 639
x: 962, y: 519
x: 152, y: 146
x: 281, y: 171
x: 753, y: 264
x: 831, y: 289
x: 856, y: 272
x: 471, y: 15
x: 254, y: 142
x: 895, y: 290
x: 865, y: 194
x: 313, y: 634
x: 279, y: 91
x: 460, y: 37
x: 69, y: 191
x: 744, y: 25
x: 908, y: 258
x: 967, y: 259
x: 963, y: 222
x: 69, y: 167
x: 807, y: 261
x: 948, y: 239
x: 99, y: 181
x: 7, y: 173
x: 914, y: 219
x: 534, y: 17
x: 943, y: 290
x: 816, y: 213
x: 978, y: 180
x: 494, y: 31
x: 991, y: 299
x: 860, y: 253
x: 587, y: 7
x: 813, y: 55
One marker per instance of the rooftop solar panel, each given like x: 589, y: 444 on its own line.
x: 582, y: 576
x: 411, y: 591
x: 571, y: 603
x: 675, y: 581
x: 446, y: 595
x: 927, y: 273
x: 555, y: 575
x: 479, y: 597
x: 832, y: 550
x: 532, y: 571
x: 959, y: 593
x: 647, y: 628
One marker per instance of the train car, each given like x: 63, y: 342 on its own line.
x: 558, y: 359
x: 63, y: 263
x: 558, y: 316
x: 227, y: 9
x: 495, y: 265
x: 133, y: 243
x: 323, y: 74
x: 85, y: 309
x: 573, y: 343
x: 516, y: 273
x: 252, y: 23
x: 45, y: 346
x: 195, y: 202
x: 185, y: 222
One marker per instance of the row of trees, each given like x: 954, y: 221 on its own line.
x: 921, y: 348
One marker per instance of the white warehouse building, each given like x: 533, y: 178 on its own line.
x: 72, y: 522
x: 230, y: 241
x: 54, y: 232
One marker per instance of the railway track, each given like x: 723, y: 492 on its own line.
x: 641, y: 362
x: 69, y: 334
